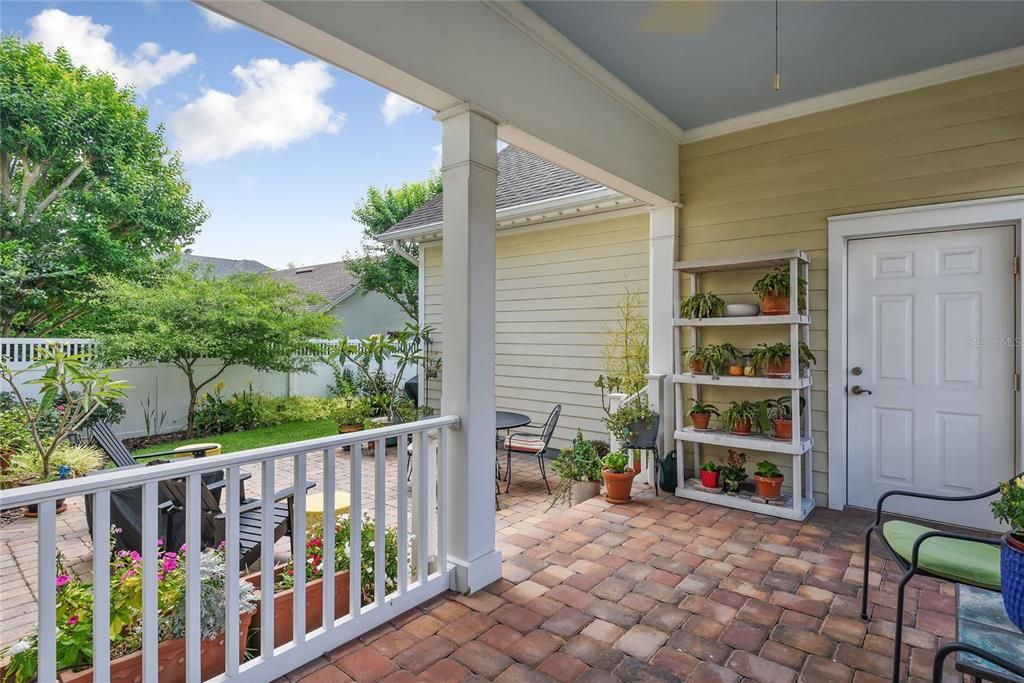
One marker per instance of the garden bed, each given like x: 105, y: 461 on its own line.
x: 254, y: 438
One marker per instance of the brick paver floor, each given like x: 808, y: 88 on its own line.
x: 662, y: 589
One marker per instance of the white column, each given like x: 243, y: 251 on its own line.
x: 664, y: 222
x: 469, y: 172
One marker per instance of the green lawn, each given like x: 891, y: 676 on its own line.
x: 255, y: 438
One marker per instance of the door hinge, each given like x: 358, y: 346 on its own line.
x: 1016, y: 265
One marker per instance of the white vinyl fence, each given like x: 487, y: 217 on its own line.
x: 161, y: 388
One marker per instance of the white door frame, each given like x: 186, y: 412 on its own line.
x: 978, y: 213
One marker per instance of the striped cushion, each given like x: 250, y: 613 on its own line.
x: 524, y: 443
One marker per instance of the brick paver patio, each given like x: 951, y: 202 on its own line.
x: 662, y: 589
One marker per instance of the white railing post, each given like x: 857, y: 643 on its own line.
x: 469, y: 171
x: 615, y: 402
x: 656, y: 396
x: 664, y: 225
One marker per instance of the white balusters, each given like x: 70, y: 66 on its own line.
x: 101, y: 584
x: 422, y: 528
x: 379, y: 521
x: 442, y: 498
x: 403, y: 512
x: 298, y: 548
x: 193, y: 581
x: 231, y: 568
x: 267, y: 559
x: 47, y: 592
x: 330, y: 520
x: 355, y: 541
x: 150, y: 614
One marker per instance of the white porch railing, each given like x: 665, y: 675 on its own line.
x: 423, y: 567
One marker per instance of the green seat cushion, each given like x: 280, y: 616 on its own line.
x: 967, y: 562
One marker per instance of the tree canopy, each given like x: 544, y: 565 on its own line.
x: 380, y: 269
x: 246, y: 319
x: 87, y: 189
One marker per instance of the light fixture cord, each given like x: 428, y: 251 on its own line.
x: 776, y: 80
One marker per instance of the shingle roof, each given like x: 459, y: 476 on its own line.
x: 522, y: 179
x: 328, y: 280
x: 222, y: 267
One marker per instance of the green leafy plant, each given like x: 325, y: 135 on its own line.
x: 734, y: 470
x: 765, y: 354
x: 342, y: 556
x: 154, y: 420
x: 766, y: 468
x: 697, y: 355
x: 776, y: 283
x: 353, y: 411
x: 626, y: 352
x: 637, y: 414
x: 615, y: 462
x: 1009, y: 507
x: 710, y: 466
x: 755, y: 412
x: 718, y: 357
x: 79, y: 461
x: 699, y: 408
x: 578, y: 463
x: 72, y: 377
x: 702, y: 305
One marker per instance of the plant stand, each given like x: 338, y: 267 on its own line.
x: 800, y: 502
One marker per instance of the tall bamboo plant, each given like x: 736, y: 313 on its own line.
x: 626, y: 344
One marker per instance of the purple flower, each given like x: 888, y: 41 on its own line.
x: 63, y: 580
x: 73, y: 620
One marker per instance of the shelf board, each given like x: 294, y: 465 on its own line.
x: 747, y: 504
x: 743, y: 320
x: 752, y: 382
x: 755, y: 442
x: 781, y: 258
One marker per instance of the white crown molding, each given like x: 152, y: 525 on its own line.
x: 546, y: 36
x: 975, y: 66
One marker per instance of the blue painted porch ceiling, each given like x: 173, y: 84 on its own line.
x: 701, y: 62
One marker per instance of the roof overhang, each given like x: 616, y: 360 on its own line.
x: 589, y: 203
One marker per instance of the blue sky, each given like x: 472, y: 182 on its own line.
x: 278, y: 145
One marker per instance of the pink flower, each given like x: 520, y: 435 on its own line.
x: 63, y: 580
x: 184, y: 547
x: 72, y: 620
x: 60, y: 408
x: 170, y: 563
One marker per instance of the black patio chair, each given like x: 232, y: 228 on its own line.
x: 108, y: 442
x: 1016, y: 668
x: 532, y: 444
x: 952, y: 556
x: 646, y: 439
x: 250, y: 514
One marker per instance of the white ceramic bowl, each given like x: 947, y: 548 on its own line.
x: 737, y: 310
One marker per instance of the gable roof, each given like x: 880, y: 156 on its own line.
x: 522, y: 179
x: 332, y: 281
x: 223, y: 267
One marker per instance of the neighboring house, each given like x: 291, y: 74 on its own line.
x: 223, y: 267
x: 359, y: 315
x: 567, y: 249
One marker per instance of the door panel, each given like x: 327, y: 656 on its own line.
x: 931, y: 323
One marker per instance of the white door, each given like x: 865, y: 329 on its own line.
x: 930, y: 339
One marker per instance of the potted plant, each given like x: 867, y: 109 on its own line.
x: 772, y: 291
x: 718, y: 358
x: 69, y: 461
x: 702, y: 305
x: 768, y: 480
x: 618, y: 477
x: 579, y: 472
x: 700, y: 414
x: 75, y: 621
x: 734, y: 471
x: 710, y: 475
x: 696, y: 358
x: 780, y: 412
x: 775, y: 361
x: 745, y: 416
x: 634, y: 424
x: 351, y: 413
x: 1009, y: 509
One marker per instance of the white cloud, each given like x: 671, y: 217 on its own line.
x: 87, y: 44
x: 395, y: 107
x: 217, y: 22
x: 278, y: 105
x: 437, y: 157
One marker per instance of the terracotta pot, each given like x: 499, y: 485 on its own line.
x: 768, y: 487
x: 171, y: 660
x: 32, y: 511
x: 710, y: 480
x: 283, y: 605
x: 697, y: 367
x: 779, y: 369
x: 700, y: 420
x: 736, y: 370
x: 585, y: 490
x: 636, y: 463
x: 783, y: 430
x: 740, y: 427
x: 772, y: 304
x: 618, y: 486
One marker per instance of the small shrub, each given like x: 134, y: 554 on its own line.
x: 79, y: 459
x: 616, y: 462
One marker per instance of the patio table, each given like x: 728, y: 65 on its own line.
x: 508, y: 420
x: 981, y: 621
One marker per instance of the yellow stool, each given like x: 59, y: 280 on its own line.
x: 187, y: 451
x: 315, y: 508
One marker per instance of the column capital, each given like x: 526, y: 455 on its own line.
x: 665, y: 205
x: 468, y: 108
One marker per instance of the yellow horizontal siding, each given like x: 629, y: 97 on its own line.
x: 773, y: 188
x: 555, y: 302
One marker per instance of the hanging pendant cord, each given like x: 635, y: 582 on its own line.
x: 776, y: 80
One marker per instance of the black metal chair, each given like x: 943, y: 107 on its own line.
x: 532, y: 444
x: 1016, y: 668
x: 904, y: 540
x: 646, y: 439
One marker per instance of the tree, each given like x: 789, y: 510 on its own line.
x: 87, y: 190
x: 380, y: 269
x: 244, y: 319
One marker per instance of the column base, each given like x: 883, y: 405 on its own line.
x: 470, y: 577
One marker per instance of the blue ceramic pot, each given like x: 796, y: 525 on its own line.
x: 1011, y: 562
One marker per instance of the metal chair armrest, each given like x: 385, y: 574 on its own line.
x: 929, y: 496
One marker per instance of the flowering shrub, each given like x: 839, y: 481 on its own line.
x: 1009, y: 507
x: 342, y: 552
x: 75, y: 613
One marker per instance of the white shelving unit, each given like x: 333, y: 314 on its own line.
x: 799, y: 448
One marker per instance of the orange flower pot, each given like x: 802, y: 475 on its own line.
x: 618, y: 487
x: 772, y: 304
x: 740, y: 427
x: 783, y: 430
x: 783, y: 368
x: 768, y: 487
x: 700, y: 420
